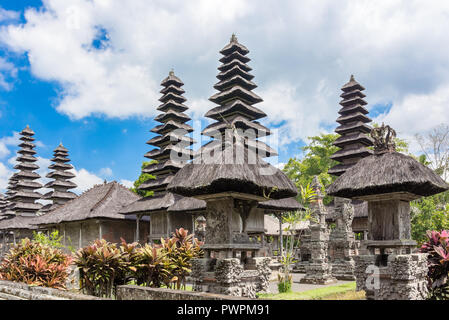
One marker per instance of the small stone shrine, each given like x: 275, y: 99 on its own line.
x: 388, y: 181
x: 230, y: 175
x: 342, y: 244
x: 318, y: 270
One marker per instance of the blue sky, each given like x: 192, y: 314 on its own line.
x: 87, y: 73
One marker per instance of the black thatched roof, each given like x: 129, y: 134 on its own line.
x: 17, y: 222
x: 101, y: 201
x: 24, y: 187
x: 387, y: 173
x: 353, y: 141
x: 226, y: 173
x: 288, y: 204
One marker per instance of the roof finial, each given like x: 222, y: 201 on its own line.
x: 383, y: 137
x: 60, y: 143
x: 233, y: 38
x: 172, y: 72
x: 352, y: 78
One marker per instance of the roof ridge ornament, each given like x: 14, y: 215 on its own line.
x: 234, y: 38
x: 383, y: 137
x: 352, y: 78
x: 171, y: 73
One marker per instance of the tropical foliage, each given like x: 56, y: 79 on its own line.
x: 142, y: 178
x: 105, y: 265
x: 437, y: 248
x: 316, y: 161
x: 35, y: 263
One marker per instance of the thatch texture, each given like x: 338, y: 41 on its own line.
x: 202, y: 178
x: 17, y: 222
x: 353, y: 141
x: 22, y: 184
x: 387, y: 173
x: 282, y: 205
x: 101, y: 201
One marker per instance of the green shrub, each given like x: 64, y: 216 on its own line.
x: 285, y: 286
x: 104, y: 265
x: 36, y: 264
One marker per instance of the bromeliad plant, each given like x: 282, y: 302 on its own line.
x: 36, y: 264
x: 437, y: 249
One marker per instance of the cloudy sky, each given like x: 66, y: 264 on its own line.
x: 87, y: 72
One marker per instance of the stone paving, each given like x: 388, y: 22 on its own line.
x: 299, y: 287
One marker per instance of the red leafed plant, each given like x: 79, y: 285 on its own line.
x: 36, y: 264
x: 437, y: 248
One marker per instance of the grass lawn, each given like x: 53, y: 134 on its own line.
x: 339, y: 292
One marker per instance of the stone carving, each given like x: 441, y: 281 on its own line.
x: 342, y: 243
x: 318, y: 271
x: 383, y: 139
x: 403, y: 278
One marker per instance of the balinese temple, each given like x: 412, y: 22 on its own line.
x: 230, y: 175
x: 60, y: 183
x: 95, y: 214
x: 22, y: 195
x: 353, y: 129
x: 170, y: 153
x: 353, y: 142
x: 236, y: 109
x: 25, y: 195
x: 3, y: 204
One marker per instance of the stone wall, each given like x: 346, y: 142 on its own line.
x: 20, y: 291
x: 129, y: 292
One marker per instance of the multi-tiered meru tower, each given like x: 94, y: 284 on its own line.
x: 170, y: 154
x: 231, y: 176
x: 236, y: 102
x: 353, y: 129
x: 24, y: 184
x: 353, y: 143
x: 60, y: 184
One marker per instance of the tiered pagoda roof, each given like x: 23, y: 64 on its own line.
x: 236, y: 129
x: 236, y: 102
x: 171, y: 139
x: 23, y: 184
x: 3, y: 204
x: 353, y: 129
x: 60, y: 183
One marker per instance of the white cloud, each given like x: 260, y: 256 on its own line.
x: 105, y: 172
x: 84, y: 180
x: 302, y: 52
x: 5, y: 173
x: 6, y: 142
x: 127, y: 183
x: 8, y: 15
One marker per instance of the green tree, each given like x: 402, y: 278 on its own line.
x: 315, y: 162
x: 142, y: 178
x: 429, y: 213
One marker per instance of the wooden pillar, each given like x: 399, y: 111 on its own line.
x: 100, y: 231
x: 4, y: 241
x: 14, y: 237
x: 80, y: 243
x: 138, y: 227
x: 64, y: 236
x: 281, y: 235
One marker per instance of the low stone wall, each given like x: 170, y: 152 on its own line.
x: 20, y: 291
x: 128, y: 292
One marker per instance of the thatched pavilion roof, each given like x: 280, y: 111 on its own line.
x: 101, y: 201
x: 201, y: 178
x: 282, y: 205
x: 18, y: 222
x: 388, y: 172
